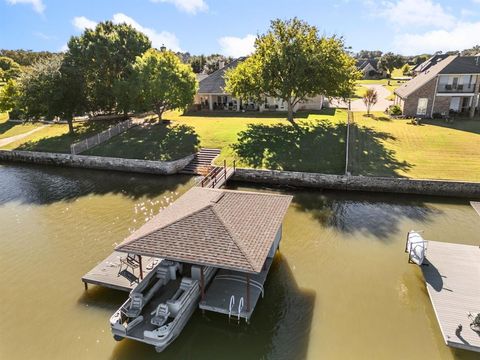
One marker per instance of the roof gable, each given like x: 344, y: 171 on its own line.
x: 463, y: 65
x: 215, y: 82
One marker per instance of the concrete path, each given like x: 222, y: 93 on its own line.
x: 358, y: 105
x: 11, y: 139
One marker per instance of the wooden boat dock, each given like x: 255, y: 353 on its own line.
x: 452, y: 276
x: 106, y: 273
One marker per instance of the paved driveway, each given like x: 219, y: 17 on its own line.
x: 358, y: 105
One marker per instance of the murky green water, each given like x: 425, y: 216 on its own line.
x: 340, y: 288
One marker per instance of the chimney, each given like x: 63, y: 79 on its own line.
x: 221, y: 64
x: 163, y: 48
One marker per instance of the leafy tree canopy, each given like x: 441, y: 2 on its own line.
x: 292, y: 62
x: 9, y: 95
x: 103, y: 56
x: 389, y: 61
x: 25, y: 57
x: 160, y: 82
x: 9, y: 69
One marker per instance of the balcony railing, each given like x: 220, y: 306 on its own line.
x: 449, y: 88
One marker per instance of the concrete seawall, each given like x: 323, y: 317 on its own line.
x: 360, y: 183
x: 97, y: 162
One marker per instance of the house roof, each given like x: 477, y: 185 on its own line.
x: 432, y: 61
x: 362, y: 64
x: 213, y: 227
x: 215, y: 82
x: 463, y: 65
x: 201, y: 76
x: 423, y: 78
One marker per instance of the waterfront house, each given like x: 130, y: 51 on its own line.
x: 212, y: 96
x: 449, y: 86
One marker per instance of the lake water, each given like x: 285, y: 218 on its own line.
x: 340, y: 287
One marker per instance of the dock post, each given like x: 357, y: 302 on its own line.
x: 202, y: 283
x: 141, y: 268
x: 86, y: 285
x: 248, y: 293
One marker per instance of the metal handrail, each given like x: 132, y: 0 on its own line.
x: 217, y: 172
x: 240, y: 307
x: 232, y: 302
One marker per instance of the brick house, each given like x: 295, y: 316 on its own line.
x: 451, y: 85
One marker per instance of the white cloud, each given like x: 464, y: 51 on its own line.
x: 189, y: 6
x: 461, y: 36
x: 414, y: 13
x: 236, y: 46
x: 158, y: 38
x: 81, y: 23
x: 37, y: 5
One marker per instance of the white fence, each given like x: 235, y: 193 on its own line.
x: 101, y: 137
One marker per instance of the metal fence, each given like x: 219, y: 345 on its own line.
x: 101, y: 137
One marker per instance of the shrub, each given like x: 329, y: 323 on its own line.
x: 395, y: 110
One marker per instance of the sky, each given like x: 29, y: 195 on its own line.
x: 229, y: 27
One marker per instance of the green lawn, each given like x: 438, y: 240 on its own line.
x: 252, y: 139
x: 434, y: 150
x: 8, y: 129
x: 150, y: 142
x: 55, y: 138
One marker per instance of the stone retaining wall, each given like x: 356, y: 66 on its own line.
x: 360, y: 183
x: 97, y: 162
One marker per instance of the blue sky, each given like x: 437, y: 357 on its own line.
x: 229, y: 27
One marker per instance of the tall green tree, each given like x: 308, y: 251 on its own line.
x: 390, y: 61
x: 292, y: 62
x: 48, y: 90
x: 161, y: 82
x: 9, y: 96
x: 103, y: 57
x: 9, y: 69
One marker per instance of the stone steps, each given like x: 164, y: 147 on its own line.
x: 203, y: 159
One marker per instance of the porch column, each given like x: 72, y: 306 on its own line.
x: 202, y: 283
x: 141, y: 268
x: 474, y: 98
x: 238, y: 104
x: 248, y: 293
x: 210, y: 102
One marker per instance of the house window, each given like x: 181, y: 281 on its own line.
x: 422, y: 106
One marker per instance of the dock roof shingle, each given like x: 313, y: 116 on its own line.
x: 213, y: 227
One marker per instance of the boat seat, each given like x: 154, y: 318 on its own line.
x: 161, y: 315
x: 136, y: 305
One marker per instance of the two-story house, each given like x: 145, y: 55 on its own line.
x: 450, y: 85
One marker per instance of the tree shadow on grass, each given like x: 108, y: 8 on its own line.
x: 315, y: 146
x: 369, y: 156
x: 151, y: 142
x: 61, y: 143
x: 467, y: 125
x: 7, y: 125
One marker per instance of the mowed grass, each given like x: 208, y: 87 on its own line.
x: 8, y: 129
x: 55, y: 137
x: 433, y: 150
x: 151, y: 141
x: 316, y: 143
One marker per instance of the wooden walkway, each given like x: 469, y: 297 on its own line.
x: 106, y: 273
x: 453, y: 282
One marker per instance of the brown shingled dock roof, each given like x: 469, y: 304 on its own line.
x: 213, y: 227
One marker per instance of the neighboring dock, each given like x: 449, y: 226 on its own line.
x: 452, y: 276
x: 476, y: 206
x: 106, y: 273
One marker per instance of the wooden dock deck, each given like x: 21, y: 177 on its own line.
x: 453, y: 282
x: 226, y: 284
x: 106, y: 273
